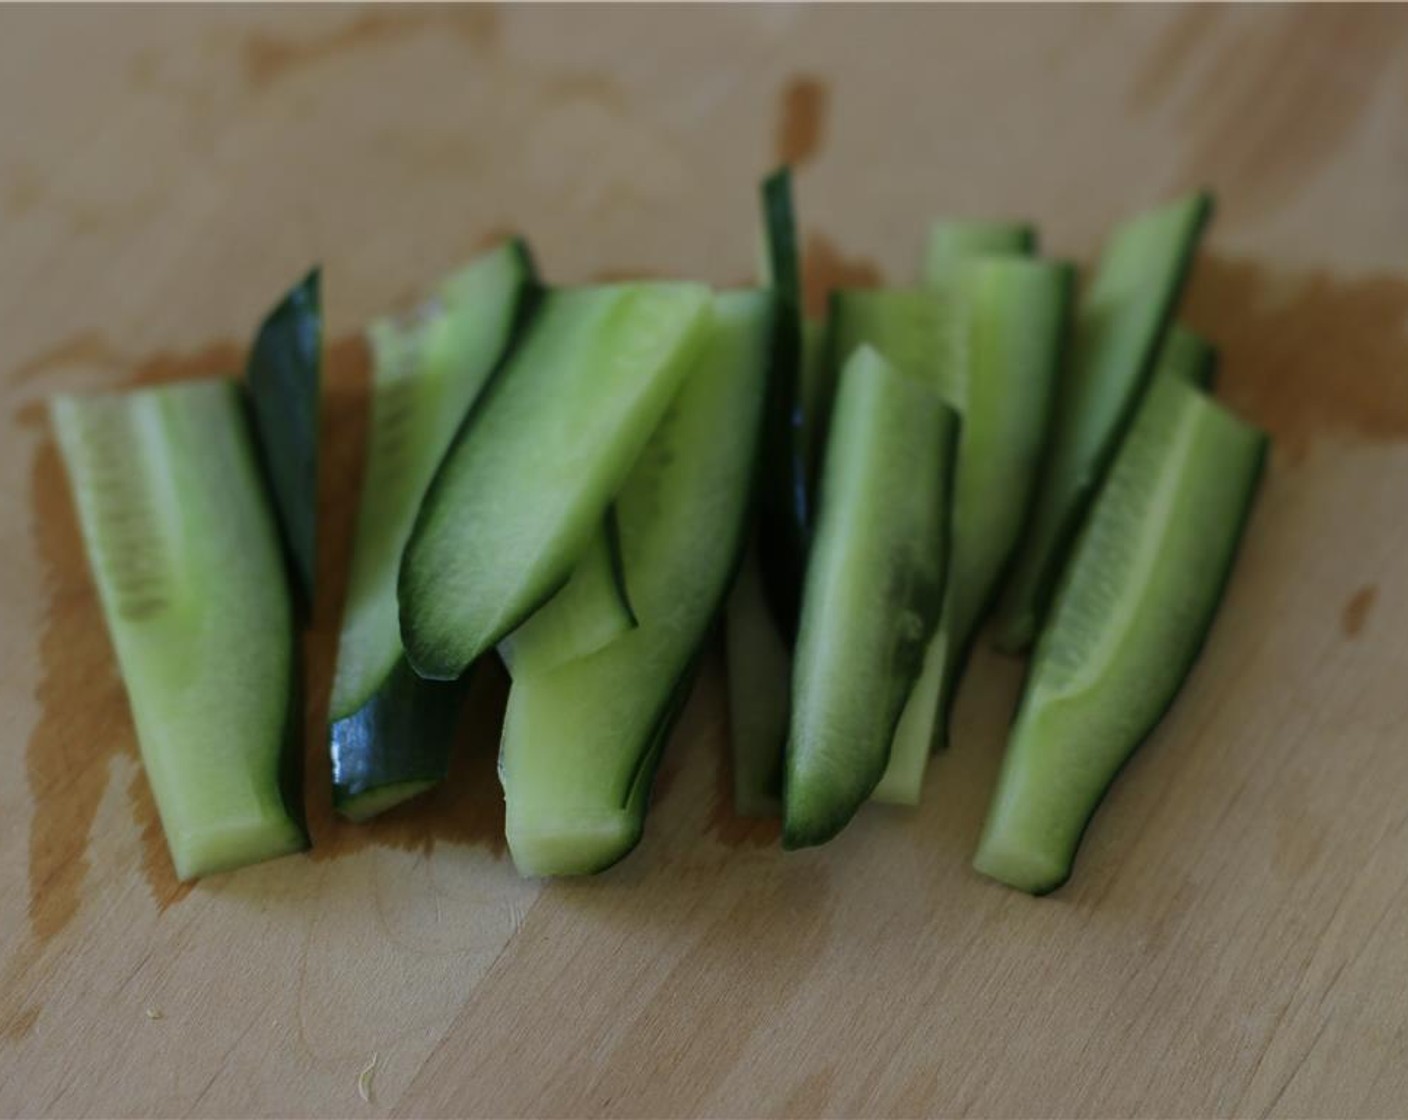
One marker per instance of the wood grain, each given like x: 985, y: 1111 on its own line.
x: 1232, y: 941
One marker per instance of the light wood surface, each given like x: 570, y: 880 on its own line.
x: 1234, y: 939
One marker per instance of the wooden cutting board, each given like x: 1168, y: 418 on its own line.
x: 1234, y: 939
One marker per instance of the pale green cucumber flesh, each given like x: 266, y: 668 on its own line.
x: 924, y: 334
x: 1121, y: 321
x: 390, y: 733
x: 581, y: 739
x: 1015, y: 322
x: 874, y: 588
x: 1129, y: 620
x: 953, y: 243
x: 920, y: 333
x: 427, y: 371
x: 529, y: 477
x: 592, y: 610
x: 186, y: 553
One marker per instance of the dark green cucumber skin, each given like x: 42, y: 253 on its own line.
x: 906, y: 663
x: 404, y: 733
x: 1253, y: 489
x: 291, y: 753
x: 785, y: 496
x: 1211, y: 370
x: 282, y: 390
x: 282, y: 380
x: 1075, y: 517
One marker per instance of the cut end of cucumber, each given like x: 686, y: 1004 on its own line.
x: 1026, y: 868
x: 952, y: 243
x: 903, y: 783
x: 431, y: 661
x: 921, y: 726
x: 805, y: 826
x: 362, y: 807
x: 234, y: 844
x: 582, y: 845
x: 393, y: 747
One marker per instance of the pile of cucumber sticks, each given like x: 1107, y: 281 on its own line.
x: 582, y: 480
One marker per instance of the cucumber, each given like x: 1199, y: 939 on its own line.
x: 591, y: 611
x: 1189, y: 356
x: 390, y: 733
x: 816, y: 385
x: 186, y: 553
x: 920, y: 333
x: 581, y: 740
x: 758, y: 655
x: 1132, y: 614
x: 785, y: 486
x: 874, y: 588
x: 951, y: 244
x: 530, y: 474
x: 1015, y: 314
x: 759, y: 665
x: 1120, y: 325
x: 396, y: 745
x: 282, y: 380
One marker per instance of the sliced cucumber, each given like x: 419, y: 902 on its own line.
x: 529, y: 477
x: 581, y: 740
x: 925, y: 334
x: 920, y: 333
x: 1120, y: 325
x: 591, y: 611
x: 759, y: 666
x: 758, y: 655
x: 283, y: 376
x: 186, y: 553
x: 1188, y: 356
x: 1015, y: 314
x: 1133, y: 611
x: 390, y: 733
x: 816, y: 386
x: 875, y: 584
x: 396, y: 745
x: 785, y: 486
x: 952, y: 244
